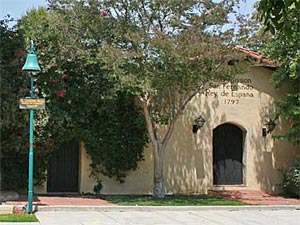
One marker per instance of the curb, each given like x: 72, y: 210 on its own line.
x: 20, y: 223
x: 160, y: 208
x: 6, y: 209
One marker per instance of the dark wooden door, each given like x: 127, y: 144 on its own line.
x: 63, y: 166
x: 227, y: 155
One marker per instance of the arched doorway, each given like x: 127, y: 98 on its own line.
x: 227, y: 155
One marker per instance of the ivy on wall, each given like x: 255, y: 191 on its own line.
x: 82, y: 103
x: 116, y: 140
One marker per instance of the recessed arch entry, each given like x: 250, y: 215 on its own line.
x: 228, y: 150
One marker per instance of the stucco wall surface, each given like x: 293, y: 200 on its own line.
x: 247, y: 101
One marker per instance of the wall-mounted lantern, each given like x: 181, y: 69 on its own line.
x: 198, y: 123
x: 270, y: 126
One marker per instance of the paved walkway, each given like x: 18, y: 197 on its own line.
x: 75, y: 200
x: 249, y: 197
x: 256, y: 197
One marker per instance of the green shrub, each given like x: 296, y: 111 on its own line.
x: 98, y: 187
x: 291, y: 179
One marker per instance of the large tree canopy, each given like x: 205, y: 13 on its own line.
x: 97, y: 55
x: 82, y: 101
x: 282, y: 19
x: 164, y: 51
x: 13, y: 121
x: 276, y: 15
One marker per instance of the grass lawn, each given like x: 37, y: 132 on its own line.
x: 18, y: 218
x: 175, y: 200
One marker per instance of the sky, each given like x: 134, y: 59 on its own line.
x: 18, y: 8
x: 246, y: 6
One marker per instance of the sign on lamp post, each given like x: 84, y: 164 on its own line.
x: 32, y: 103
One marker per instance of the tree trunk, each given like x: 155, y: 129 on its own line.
x: 158, y: 188
x: 158, y: 150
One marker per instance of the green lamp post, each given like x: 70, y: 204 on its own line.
x: 31, y: 65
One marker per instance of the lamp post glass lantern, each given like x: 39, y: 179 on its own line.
x: 31, y: 65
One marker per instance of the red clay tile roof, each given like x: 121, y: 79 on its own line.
x: 258, y: 57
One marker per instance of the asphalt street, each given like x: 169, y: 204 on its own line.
x: 205, y: 217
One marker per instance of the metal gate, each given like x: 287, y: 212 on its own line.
x: 63, y: 166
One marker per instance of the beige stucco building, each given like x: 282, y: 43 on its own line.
x: 228, y: 152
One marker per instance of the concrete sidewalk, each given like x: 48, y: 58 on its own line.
x: 156, y: 217
x: 166, y: 215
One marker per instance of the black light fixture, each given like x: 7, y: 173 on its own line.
x: 270, y: 126
x: 233, y: 62
x: 198, y: 123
